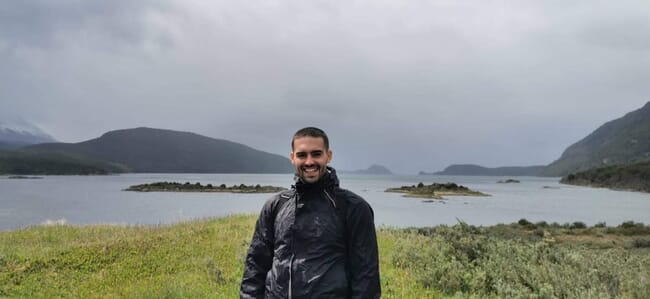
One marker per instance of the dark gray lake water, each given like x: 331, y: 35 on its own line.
x: 100, y: 199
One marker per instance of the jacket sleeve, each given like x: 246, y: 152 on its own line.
x: 363, y: 257
x: 260, y: 256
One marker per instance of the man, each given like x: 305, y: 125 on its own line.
x: 315, y: 240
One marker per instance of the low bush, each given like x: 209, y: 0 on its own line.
x: 578, y: 225
x: 524, y: 222
x: 630, y: 228
x: 541, y: 224
x: 641, y: 243
x: 455, y: 260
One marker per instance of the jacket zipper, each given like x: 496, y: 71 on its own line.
x: 330, y: 198
x: 293, y: 254
x: 292, y: 237
x: 290, y: 271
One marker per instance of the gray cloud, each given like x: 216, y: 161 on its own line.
x: 414, y: 85
x: 45, y: 24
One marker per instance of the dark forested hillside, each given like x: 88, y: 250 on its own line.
x: 52, y: 163
x: 633, y: 177
x: 157, y: 150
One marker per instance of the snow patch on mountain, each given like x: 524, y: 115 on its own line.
x: 19, y: 132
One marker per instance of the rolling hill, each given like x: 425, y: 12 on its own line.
x: 166, y: 151
x: 624, y: 140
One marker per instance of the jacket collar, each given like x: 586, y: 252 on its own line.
x: 329, y: 180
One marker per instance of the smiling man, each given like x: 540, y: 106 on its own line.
x: 316, y: 240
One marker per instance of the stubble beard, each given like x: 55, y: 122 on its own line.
x: 311, y: 174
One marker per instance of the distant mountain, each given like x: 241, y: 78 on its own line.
x: 373, y: 169
x: 52, y: 163
x: 166, y: 151
x: 19, y: 133
x: 621, y: 141
x: 471, y: 169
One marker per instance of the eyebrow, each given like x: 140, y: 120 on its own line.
x: 312, y: 152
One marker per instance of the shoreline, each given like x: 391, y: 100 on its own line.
x: 64, y: 223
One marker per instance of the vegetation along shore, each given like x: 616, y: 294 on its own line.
x: 435, y: 190
x: 631, y: 177
x: 204, y: 259
x: 197, y: 187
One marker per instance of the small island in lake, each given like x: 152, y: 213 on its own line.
x: 197, y: 187
x: 435, y: 190
x: 24, y: 177
x: 550, y: 187
x: 508, y: 181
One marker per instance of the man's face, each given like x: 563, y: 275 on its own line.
x: 310, y: 157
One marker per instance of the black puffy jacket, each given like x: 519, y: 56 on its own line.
x: 313, y: 241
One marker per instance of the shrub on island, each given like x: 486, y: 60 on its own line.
x: 435, y: 190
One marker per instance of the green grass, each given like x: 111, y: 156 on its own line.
x: 204, y: 258
x: 197, y: 259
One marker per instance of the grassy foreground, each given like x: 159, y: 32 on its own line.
x: 204, y: 259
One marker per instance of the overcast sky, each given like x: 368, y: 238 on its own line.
x: 412, y: 85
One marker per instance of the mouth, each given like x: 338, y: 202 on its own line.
x: 311, y: 170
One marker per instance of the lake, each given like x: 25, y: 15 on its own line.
x: 100, y: 199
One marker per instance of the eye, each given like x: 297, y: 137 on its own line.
x: 301, y: 155
x: 316, y: 154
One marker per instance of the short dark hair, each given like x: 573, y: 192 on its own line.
x: 311, y: 132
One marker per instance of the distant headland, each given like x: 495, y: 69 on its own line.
x: 374, y: 169
x: 472, y: 169
x: 632, y: 177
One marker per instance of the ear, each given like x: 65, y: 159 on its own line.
x: 291, y: 157
x: 329, y: 155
